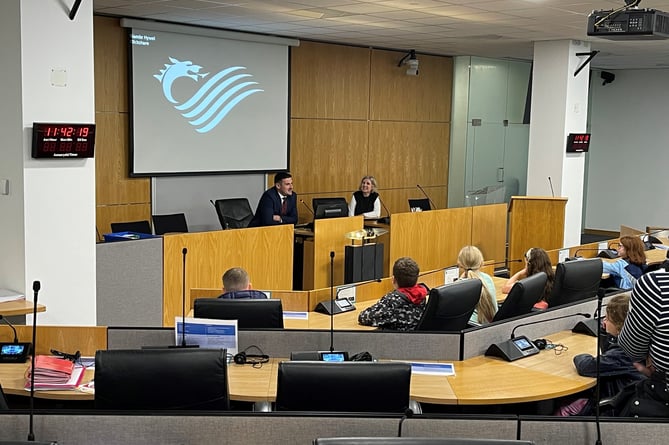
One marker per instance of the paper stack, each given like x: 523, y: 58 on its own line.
x: 10, y: 295
x: 55, y: 373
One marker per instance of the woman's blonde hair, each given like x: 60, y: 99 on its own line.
x: 470, y: 259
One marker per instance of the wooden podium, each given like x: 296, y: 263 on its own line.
x: 534, y: 221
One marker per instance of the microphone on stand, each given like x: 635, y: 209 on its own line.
x: 518, y: 347
x: 427, y: 196
x: 183, y: 344
x: 385, y: 219
x: 648, y: 239
x: 551, y: 184
x: 31, y: 432
x: 307, y: 206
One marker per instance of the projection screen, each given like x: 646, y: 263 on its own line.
x: 203, y: 104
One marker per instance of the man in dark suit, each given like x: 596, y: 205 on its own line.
x: 277, y: 205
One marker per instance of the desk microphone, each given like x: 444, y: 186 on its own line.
x: 427, y: 196
x: 308, y: 208
x: 519, y: 347
x: 385, y: 219
x: 648, y: 239
x: 551, y: 184
x: 183, y: 344
x: 353, y: 285
x: 16, y: 337
x: 582, y: 314
x: 603, y: 253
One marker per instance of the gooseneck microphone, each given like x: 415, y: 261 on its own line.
x: 332, y: 302
x: 308, y: 208
x: 385, y: 219
x: 582, y: 314
x: 427, y: 196
x: 31, y: 432
x: 354, y: 285
x: 602, y: 253
x: 16, y: 337
x: 551, y: 184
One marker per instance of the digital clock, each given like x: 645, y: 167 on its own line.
x: 63, y: 140
x: 578, y: 142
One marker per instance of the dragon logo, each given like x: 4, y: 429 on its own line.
x: 214, y: 100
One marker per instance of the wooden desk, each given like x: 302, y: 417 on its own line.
x: 478, y: 381
x: 346, y: 321
x: 19, y: 307
x: 12, y: 379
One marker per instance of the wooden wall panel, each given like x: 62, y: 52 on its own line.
x: 422, y: 98
x: 329, y: 81
x: 85, y: 339
x: 404, y: 154
x: 432, y: 238
x: 118, y: 197
x: 331, y: 155
x: 264, y: 252
x: 111, y: 65
x: 105, y: 215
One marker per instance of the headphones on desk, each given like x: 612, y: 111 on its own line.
x: 243, y: 358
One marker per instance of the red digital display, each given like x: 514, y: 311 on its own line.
x: 63, y: 140
x: 578, y: 142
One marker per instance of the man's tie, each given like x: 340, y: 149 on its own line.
x: 284, y: 206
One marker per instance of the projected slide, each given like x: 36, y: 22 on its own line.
x: 205, y: 105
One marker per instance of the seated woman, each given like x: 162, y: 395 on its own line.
x: 536, y: 260
x: 631, y: 265
x: 470, y: 259
x: 366, y: 201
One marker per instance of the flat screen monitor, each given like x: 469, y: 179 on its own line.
x: 249, y: 313
x: 330, y: 207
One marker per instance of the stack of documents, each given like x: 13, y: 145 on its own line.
x: 55, y: 373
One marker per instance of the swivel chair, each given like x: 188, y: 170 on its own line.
x: 449, y: 307
x: 161, y: 379
x: 344, y: 386
x: 522, y: 297
x: 233, y: 213
x: 173, y: 223
x: 133, y: 226
x: 576, y: 280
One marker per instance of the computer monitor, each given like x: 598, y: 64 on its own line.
x: 329, y: 207
x: 249, y: 313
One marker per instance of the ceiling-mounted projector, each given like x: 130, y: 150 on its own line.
x: 632, y: 24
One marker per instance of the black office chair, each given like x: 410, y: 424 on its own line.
x: 423, y: 204
x: 161, y: 379
x: 524, y: 294
x: 449, y: 307
x: 415, y: 441
x: 575, y: 280
x: 133, y: 226
x: 249, y: 313
x: 234, y: 213
x: 343, y: 386
x: 173, y: 223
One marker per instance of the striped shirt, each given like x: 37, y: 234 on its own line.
x: 646, y: 329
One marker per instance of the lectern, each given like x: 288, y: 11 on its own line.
x: 534, y: 221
